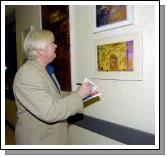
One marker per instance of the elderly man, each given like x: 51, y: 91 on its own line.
x: 41, y: 109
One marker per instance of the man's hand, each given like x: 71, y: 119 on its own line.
x: 84, y: 90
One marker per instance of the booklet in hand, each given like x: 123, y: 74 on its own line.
x: 95, y: 91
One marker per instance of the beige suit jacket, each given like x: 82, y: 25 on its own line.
x: 41, y: 110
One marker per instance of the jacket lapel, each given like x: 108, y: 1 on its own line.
x: 57, y: 83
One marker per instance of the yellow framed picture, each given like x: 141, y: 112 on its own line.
x: 118, y: 57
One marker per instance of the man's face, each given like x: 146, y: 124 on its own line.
x: 47, y: 56
x: 51, y: 52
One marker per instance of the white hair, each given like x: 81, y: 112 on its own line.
x: 36, y: 40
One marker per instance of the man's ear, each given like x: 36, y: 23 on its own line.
x: 39, y: 52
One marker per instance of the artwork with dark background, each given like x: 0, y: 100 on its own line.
x: 109, y: 14
x: 56, y: 19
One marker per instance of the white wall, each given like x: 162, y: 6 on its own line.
x: 80, y: 136
x: 129, y: 103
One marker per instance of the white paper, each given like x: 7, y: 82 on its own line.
x: 94, y: 88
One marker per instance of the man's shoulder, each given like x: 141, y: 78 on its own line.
x: 26, y: 69
x: 27, y: 72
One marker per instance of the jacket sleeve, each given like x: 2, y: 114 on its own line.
x: 65, y: 93
x: 34, y: 95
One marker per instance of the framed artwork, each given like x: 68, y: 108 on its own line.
x: 56, y: 19
x: 118, y: 57
x: 112, y: 16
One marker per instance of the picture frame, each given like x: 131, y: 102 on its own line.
x: 107, y: 17
x: 112, y: 59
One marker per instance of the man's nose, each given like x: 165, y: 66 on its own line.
x: 55, y: 46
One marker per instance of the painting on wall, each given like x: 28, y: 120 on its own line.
x: 56, y: 19
x: 112, y: 16
x: 115, y: 56
x: 118, y: 57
